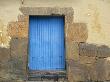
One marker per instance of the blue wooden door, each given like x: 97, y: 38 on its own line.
x: 46, y: 43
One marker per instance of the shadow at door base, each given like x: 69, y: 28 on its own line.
x: 46, y: 77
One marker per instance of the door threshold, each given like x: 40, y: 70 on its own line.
x: 50, y: 75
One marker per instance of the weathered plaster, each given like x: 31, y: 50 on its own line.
x: 86, y: 62
x: 95, y: 13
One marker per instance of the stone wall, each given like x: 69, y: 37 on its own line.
x: 85, y: 62
x: 13, y: 60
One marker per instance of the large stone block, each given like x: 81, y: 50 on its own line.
x: 18, y: 60
x: 52, y: 11
x: 12, y: 29
x: 11, y: 67
x: 46, y: 10
x: 95, y: 71
x: 107, y: 68
x: 4, y: 63
x: 23, y: 29
x: 72, y: 51
x: 77, y: 72
x: 85, y: 60
x: 93, y: 50
x: 77, y: 32
x: 18, y: 29
x: 99, y: 71
x: 19, y: 47
x: 102, y: 68
x: 4, y: 54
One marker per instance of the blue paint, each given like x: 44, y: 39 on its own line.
x: 46, y: 43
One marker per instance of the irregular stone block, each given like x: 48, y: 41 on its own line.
x: 4, y: 54
x: 18, y: 47
x: 77, y: 32
x: 77, y: 72
x: 12, y: 29
x: 18, y: 60
x: 85, y: 60
x: 4, y: 64
x: 53, y: 11
x: 102, y: 68
x: 72, y: 51
x: 93, y: 50
x: 46, y: 10
x: 23, y: 29
x: 18, y: 29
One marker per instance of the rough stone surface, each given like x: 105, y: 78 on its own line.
x: 93, y: 50
x: 89, y: 68
x: 87, y: 60
x: 4, y: 63
x: 4, y: 54
x: 19, y: 56
x: 57, y: 11
x: 100, y: 70
x: 47, y: 10
x: 77, y: 32
x: 72, y: 51
x: 89, y: 72
x: 13, y: 61
x: 84, y: 62
x: 12, y: 29
x: 77, y: 72
x: 19, y: 28
x: 97, y: 59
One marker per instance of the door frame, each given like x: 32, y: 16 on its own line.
x: 47, y: 74
x: 67, y: 12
